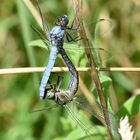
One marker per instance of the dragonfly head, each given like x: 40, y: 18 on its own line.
x: 62, y: 21
x: 62, y: 98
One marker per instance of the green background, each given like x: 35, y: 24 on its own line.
x: 19, y: 94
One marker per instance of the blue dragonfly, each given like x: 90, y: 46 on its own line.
x: 56, y: 38
x: 60, y: 96
x: 63, y: 97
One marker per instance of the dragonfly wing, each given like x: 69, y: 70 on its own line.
x: 44, y: 23
x: 42, y: 37
x: 98, y: 114
x: 78, y: 54
x: 90, y: 130
x: 77, y: 121
x: 44, y: 108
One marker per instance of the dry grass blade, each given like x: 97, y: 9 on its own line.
x: 64, y: 69
x: 45, y: 26
x: 78, y: 14
x: 125, y: 129
x: 36, y: 69
x: 34, y: 12
x: 38, y: 16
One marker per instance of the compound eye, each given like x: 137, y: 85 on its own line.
x: 50, y: 95
x: 65, y: 18
x: 59, y: 18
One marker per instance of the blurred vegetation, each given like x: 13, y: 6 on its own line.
x: 19, y: 92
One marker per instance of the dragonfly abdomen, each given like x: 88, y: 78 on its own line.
x: 74, y: 81
x: 46, y: 75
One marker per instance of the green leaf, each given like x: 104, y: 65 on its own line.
x: 123, y: 81
x: 105, y: 80
x: 130, y: 107
x: 97, y: 132
x: 38, y: 43
x: 76, y: 54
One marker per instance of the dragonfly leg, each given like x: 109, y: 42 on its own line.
x: 50, y: 90
x: 70, y: 39
x: 59, y: 82
x: 55, y: 86
x: 72, y: 25
x: 71, y: 28
x: 50, y: 84
x: 47, y: 89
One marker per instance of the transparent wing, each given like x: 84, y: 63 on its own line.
x: 44, y: 108
x: 88, y: 130
x: 95, y: 30
x: 102, y: 25
x: 97, y: 115
x: 72, y: 49
x: 44, y: 23
x: 77, y: 54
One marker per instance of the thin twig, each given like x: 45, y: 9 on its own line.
x: 36, y: 69
x: 119, y: 69
x: 78, y: 13
x: 65, y: 69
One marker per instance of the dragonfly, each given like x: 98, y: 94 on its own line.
x: 63, y: 97
x: 60, y: 96
x: 56, y: 38
x: 66, y: 97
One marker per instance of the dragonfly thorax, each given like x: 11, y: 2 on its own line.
x: 62, y: 98
x: 57, y: 35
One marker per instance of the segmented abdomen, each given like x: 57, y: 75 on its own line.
x: 46, y: 75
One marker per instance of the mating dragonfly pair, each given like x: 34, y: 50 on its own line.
x: 56, y: 38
